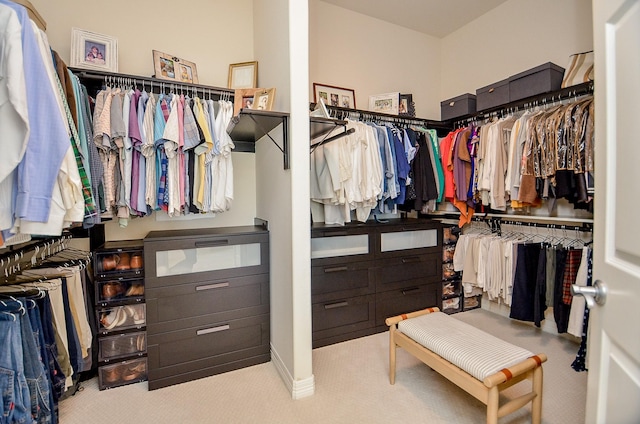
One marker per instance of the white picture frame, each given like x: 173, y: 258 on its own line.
x: 384, y: 103
x: 90, y: 50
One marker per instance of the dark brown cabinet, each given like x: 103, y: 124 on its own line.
x: 361, y: 274
x: 207, y: 295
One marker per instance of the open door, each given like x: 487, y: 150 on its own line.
x: 613, y: 394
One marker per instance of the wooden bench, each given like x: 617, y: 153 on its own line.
x: 475, y: 361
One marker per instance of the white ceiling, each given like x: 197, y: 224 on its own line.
x: 433, y: 17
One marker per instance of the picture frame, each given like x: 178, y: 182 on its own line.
x: 334, y: 96
x: 243, y: 75
x: 263, y: 99
x: 406, y: 106
x: 243, y: 99
x: 172, y: 68
x: 90, y: 50
x: 384, y: 103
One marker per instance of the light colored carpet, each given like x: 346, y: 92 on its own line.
x: 352, y: 386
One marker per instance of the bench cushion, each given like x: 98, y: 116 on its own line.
x: 474, y: 351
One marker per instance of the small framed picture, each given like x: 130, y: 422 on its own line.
x: 243, y: 75
x: 406, y: 107
x: 263, y: 99
x: 90, y: 50
x: 334, y: 96
x: 384, y: 103
x: 243, y: 99
x: 168, y: 67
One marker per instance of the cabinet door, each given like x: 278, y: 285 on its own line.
x: 199, y: 259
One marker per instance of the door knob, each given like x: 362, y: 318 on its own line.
x: 596, y: 294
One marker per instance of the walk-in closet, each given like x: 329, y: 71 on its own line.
x: 283, y: 211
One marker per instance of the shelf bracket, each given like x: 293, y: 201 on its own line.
x: 285, y: 136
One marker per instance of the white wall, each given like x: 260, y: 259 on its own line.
x: 513, y: 37
x: 348, y: 49
x: 282, y: 50
x: 199, y: 32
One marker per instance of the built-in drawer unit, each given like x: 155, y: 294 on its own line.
x: 384, y: 269
x: 207, y: 296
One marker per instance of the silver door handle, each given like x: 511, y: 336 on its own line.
x: 596, y: 294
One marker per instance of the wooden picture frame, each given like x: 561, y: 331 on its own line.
x: 263, y: 99
x: 90, y: 50
x: 171, y: 68
x: 334, y: 96
x: 406, y: 106
x: 243, y: 75
x: 384, y: 103
x: 243, y: 99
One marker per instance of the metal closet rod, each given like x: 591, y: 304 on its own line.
x: 533, y: 101
x: 97, y: 75
x: 429, y: 123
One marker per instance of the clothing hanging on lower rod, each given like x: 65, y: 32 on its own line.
x: 45, y: 326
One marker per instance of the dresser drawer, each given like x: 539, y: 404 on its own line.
x: 350, y: 314
x: 330, y: 282
x: 177, y: 258
x: 396, y: 302
x: 189, y: 305
x: 331, y: 245
x: 206, y: 350
x: 408, y: 270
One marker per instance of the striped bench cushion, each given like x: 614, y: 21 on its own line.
x: 476, y: 352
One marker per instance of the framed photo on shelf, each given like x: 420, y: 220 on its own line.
x: 384, y: 103
x: 243, y: 99
x: 90, y: 50
x: 334, y: 96
x: 406, y: 107
x: 263, y: 99
x: 168, y: 67
x: 243, y: 75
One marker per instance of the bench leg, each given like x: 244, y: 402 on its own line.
x: 392, y: 355
x: 493, y: 402
x: 536, y: 405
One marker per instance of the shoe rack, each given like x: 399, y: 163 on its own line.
x: 453, y: 299
x: 121, y: 313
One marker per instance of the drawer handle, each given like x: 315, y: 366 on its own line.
x: 491, y: 90
x: 212, y: 243
x: 212, y: 286
x: 411, y: 290
x: 336, y: 305
x: 411, y: 260
x: 212, y: 330
x: 336, y: 269
x: 451, y: 104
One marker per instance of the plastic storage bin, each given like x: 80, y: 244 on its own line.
x: 121, y: 373
x: 122, y: 346
x: 120, y: 318
x: 114, y: 291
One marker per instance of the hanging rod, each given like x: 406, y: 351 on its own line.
x: 550, y: 98
x: 429, y: 123
x: 332, y: 138
x: 582, y: 224
x: 100, y: 75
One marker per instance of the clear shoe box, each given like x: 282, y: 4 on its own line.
x: 117, y: 290
x: 120, y: 318
x: 121, y: 373
x: 119, y: 259
x: 122, y: 346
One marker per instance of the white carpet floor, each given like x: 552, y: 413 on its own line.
x: 352, y: 386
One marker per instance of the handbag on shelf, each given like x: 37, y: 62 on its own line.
x: 580, y: 69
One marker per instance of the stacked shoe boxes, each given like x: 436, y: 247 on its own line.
x: 120, y: 312
x: 451, y: 280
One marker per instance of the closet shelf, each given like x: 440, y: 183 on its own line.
x: 550, y: 97
x: 154, y: 83
x: 442, y: 127
x: 251, y: 125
